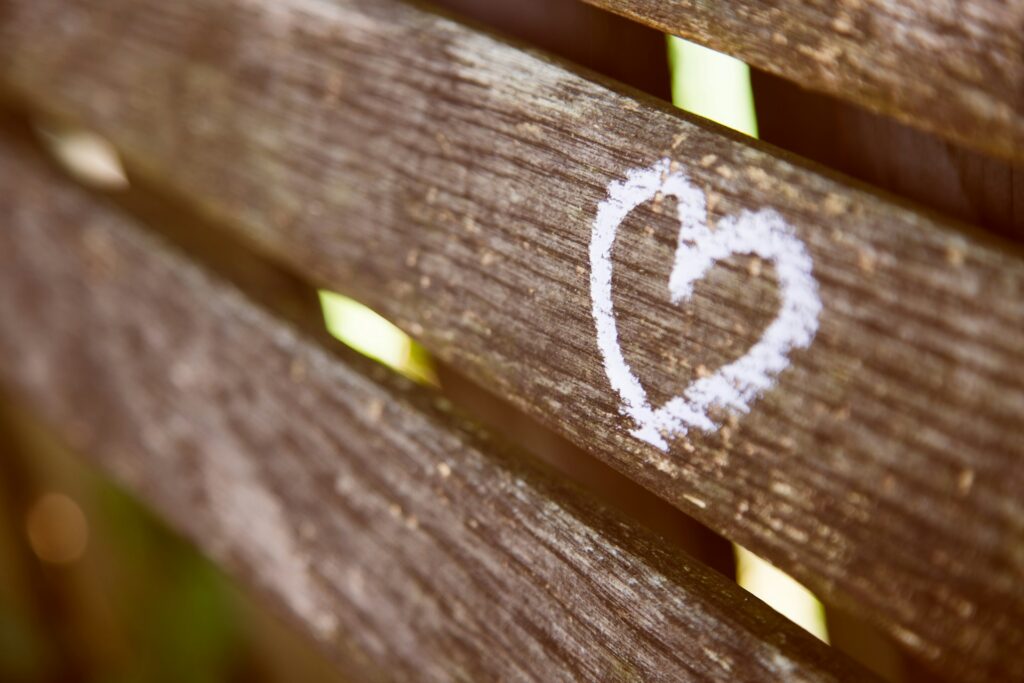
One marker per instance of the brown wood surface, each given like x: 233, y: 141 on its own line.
x: 450, y: 181
x: 952, y: 68
x: 405, y: 540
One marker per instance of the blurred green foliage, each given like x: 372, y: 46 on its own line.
x: 141, y: 604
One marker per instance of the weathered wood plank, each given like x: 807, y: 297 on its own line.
x: 403, y: 538
x: 452, y: 181
x: 951, y: 68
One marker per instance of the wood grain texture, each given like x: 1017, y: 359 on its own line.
x: 450, y: 181
x: 951, y: 68
x: 400, y: 536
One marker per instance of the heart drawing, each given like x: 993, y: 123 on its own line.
x: 762, y: 233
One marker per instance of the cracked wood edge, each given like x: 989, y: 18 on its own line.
x: 450, y: 181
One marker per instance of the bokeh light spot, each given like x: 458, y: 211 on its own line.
x: 57, y: 529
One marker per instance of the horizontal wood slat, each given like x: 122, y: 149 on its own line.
x: 452, y: 181
x: 951, y: 68
x: 401, y: 537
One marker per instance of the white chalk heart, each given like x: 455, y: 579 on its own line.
x: 763, y: 233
